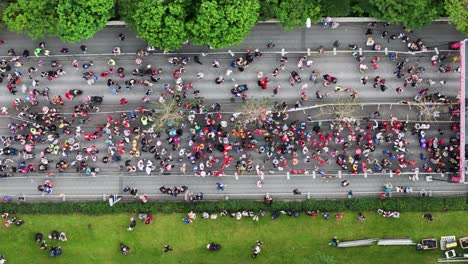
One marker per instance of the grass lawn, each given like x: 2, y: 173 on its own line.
x: 95, y: 239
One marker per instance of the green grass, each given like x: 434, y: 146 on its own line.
x: 95, y: 239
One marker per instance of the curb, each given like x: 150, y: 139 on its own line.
x: 276, y: 21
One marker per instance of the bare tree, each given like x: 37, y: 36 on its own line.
x: 429, y: 111
x: 254, y: 111
x: 343, y: 107
x: 167, y: 114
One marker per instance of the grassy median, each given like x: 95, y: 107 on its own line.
x: 95, y: 239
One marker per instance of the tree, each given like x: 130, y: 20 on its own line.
x: 457, y: 10
x: 81, y: 19
x: 125, y: 10
x: 413, y: 14
x: 267, y: 9
x: 254, y: 111
x: 342, y: 108
x: 429, y: 111
x: 167, y: 114
x: 161, y: 23
x: 293, y: 13
x: 335, y: 8
x: 222, y: 23
x: 36, y: 18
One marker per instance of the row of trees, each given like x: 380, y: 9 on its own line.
x: 167, y: 24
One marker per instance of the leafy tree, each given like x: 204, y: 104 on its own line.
x: 335, y: 8
x: 413, y: 14
x: 125, y: 10
x: 457, y: 10
x: 361, y: 8
x: 36, y: 18
x: 81, y: 19
x: 267, y: 9
x: 221, y: 23
x: 161, y: 23
x: 293, y: 13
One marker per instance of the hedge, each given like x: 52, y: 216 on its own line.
x: 362, y: 204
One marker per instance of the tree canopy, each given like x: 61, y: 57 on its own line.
x: 221, y: 23
x: 335, y: 8
x: 161, y: 23
x: 78, y: 20
x: 413, y: 14
x: 457, y: 10
x: 293, y: 13
x: 36, y: 18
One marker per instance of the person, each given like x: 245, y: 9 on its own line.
x: 268, y: 199
x: 361, y: 217
x: 334, y: 242
x: 122, y: 36
x: 220, y: 186
x: 83, y: 48
x: 54, y: 235
x: 43, y: 245
x: 336, y: 44
x: 344, y: 183
x: 132, y: 224
x: 116, y: 51
x: 428, y: 217
x: 197, y: 60
x: 167, y: 248
x: 257, y: 249
x: 63, y: 236
x: 213, y: 246
x: 124, y: 249
x: 38, y: 237
x: 296, y: 191
x: 270, y: 44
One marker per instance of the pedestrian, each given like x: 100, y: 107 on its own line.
x: 344, y: 183
x: 369, y: 31
x: 220, y: 186
x: 83, y: 48
x: 123, y: 101
x: 270, y: 44
x: 122, y: 36
x: 197, y: 60
x: 215, y: 64
x: 116, y: 51
x: 296, y: 192
x: 200, y: 75
x: 37, y: 51
x: 167, y: 248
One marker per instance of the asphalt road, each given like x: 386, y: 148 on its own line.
x: 343, y: 66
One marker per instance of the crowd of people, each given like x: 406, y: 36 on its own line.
x: 209, y: 142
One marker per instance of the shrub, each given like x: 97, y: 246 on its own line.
x: 364, y: 204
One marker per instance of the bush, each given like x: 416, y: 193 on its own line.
x: 364, y: 204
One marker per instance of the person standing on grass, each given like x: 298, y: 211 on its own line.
x: 167, y: 248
